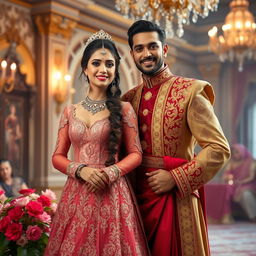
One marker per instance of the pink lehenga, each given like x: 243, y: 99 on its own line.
x: 103, y: 223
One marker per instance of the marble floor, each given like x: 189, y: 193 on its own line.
x: 237, y: 239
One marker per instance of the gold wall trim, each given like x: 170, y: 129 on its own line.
x: 51, y: 23
x: 21, y: 3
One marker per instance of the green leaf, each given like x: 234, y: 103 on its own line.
x: 33, y: 252
x: 8, y: 200
x: 22, y: 251
x: 44, y: 238
x: 3, y: 244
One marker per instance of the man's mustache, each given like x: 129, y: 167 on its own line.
x: 149, y: 58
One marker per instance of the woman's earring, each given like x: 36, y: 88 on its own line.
x: 86, y: 76
x: 113, y: 88
x: 87, y: 85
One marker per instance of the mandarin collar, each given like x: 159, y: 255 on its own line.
x: 163, y: 75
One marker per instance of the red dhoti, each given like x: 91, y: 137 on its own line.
x: 159, y: 212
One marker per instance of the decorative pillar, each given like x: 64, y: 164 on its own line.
x: 54, y: 33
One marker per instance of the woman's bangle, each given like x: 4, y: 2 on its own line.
x: 78, y: 171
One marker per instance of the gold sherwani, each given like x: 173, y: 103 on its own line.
x: 174, y: 114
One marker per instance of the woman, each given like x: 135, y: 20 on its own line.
x: 13, y: 136
x: 11, y: 185
x: 96, y: 213
x: 241, y: 172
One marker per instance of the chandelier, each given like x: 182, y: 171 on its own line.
x: 238, y: 41
x: 167, y: 12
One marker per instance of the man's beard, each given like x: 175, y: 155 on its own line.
x: 151, y: 72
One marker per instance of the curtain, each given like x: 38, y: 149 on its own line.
x: 240, y: 92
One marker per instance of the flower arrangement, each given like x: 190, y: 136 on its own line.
x: 25, y: 222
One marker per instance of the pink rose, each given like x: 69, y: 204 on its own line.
x: 4, y: 222
x: 33, y: 233
x: 27, y: 191
x: 50, y: 194
x: 13, y: 231
x: 34, y: 196
x: 44, y: 200
x: 22, y: 241
x: 2, y: 194
x: 46, y: 218
x: 16, y: 213
x: 6, y: 206
x: 34, y: 208
x: 22, y: 201
x: 54, y: 207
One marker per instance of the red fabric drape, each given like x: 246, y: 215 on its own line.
x: 159, y: 213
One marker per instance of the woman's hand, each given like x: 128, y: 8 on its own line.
x: 228, y: 178
x: 96, y: 179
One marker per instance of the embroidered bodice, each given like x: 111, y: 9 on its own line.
x: 90, y: 144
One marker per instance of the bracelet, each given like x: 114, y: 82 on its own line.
x: 78, y: 171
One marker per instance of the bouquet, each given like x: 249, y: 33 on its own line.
x: 25, y: 222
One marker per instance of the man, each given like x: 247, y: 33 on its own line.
x: 173, y: 113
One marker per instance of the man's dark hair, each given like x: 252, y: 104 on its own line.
x: 144, y: 26
x: 4, y: 160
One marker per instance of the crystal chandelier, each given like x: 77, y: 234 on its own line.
x: 167, y: 12
x: 238, y: 41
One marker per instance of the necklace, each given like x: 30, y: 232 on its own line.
x: 93, y: 106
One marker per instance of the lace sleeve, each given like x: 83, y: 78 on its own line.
x: 59, y: 158
x: 132, y: 146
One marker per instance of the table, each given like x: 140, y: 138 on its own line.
x: 218, y: 203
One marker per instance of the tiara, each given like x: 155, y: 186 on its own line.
x: 98, y: 35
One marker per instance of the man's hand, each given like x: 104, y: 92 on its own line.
x: 161, y: 181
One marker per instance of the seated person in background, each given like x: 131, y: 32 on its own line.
x: 241, y: 173
x: 11, y: 185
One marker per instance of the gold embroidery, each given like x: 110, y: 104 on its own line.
x: 136, y: 99
x: 174, y: 123
x: 194, y: 242
x: 189, y: 177
x: 185, y: 224
x: 145, y: 112
x: 144, y: 128
x: 161, y: 77
x: 157, y: 119
x: 148, y: 96
x: 158, y: 79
